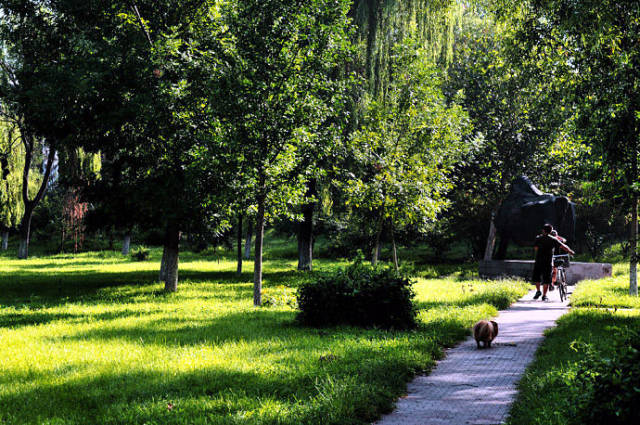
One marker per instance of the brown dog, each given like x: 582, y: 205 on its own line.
x: 485, y: 331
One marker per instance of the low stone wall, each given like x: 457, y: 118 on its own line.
x: 524, y: 268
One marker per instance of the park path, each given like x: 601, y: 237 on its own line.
x: 477, y: 387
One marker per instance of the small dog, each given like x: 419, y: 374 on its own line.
x: 485, y: 331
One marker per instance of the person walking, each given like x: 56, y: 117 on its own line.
x: 545, y: 245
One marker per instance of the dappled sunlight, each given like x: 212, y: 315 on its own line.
x: 87, y: 337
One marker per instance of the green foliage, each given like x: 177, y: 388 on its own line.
x: 407, y: 146
x: 358, y: 295
x: 11, y: 164
x: 584, y: 47
x: 274, y: 91
x: 516, y: 128
x: 607, y: 387
x: 381, y: 25
x: 279, y: 296
x: 140, y: 253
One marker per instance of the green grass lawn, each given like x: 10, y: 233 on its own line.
x: 600, y: 309
x: 92, y: 338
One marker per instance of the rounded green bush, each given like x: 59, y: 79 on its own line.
x: 358, y: 295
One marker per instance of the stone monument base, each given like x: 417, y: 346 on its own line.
x: 577, y: 271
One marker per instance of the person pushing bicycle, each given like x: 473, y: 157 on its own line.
x: 544, y: 246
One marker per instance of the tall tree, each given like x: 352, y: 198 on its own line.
x: 136, y: 96
x: 592, y: 49
x: 28, y: 88
x: 516, y: 126
x: 406, y: 149
x: 280, y: 60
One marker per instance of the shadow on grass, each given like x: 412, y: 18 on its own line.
x: 366, y: 375
x: 50, y: 289
x: 27, y: 317
x: 140, y: 396
x: 257, y: 325
x: 298, y: 377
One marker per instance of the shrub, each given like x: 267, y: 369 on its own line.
x: 358, y: 295
x: 606, y: 389
x: 140, y: 253
x: 603, y: 388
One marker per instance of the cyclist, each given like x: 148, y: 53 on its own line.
x: 544, y: 246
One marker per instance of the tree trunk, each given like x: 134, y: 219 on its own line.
x: 30, y: 204
x: 163, y: 265
x: 5, y: 240
x: 257, y: 264
x: 110, y: 235
x: 126, y: 243
x: 491, y: 239
x: 633, y: 266
x: 376, y: 248
x: 247, y: 244
x: 25, y: 234
x: 633, y: 239
x: 305, y: 231
x: 239, y: 269
x: 172, y: 248
x: 393, y: 246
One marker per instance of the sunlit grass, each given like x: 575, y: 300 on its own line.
x: 611, y: 292
x: 92, y: 338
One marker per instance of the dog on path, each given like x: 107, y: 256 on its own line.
x: 485, y: 331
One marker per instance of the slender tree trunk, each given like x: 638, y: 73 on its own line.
x: 257, y: 264
x: 63, y: 235
x: 172, y: 248
x: 376, y: 248
x: 247, y: 243
x: 110, y: 235
x: 239, y: 269
x: 30, y: 204
x: 163, y: 265
x: 305, y: 231
x: 633, y: 239
x: 5, y: 240
x: 393, y: 246
x: 491, y: 239
x: 25, y: 233
x: 126, y: 243
x: 633, y: 265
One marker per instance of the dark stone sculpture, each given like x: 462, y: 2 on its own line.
x: 526, y: 209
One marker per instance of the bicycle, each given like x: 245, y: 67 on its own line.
x: 561, y: 262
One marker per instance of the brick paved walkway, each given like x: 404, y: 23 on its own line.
x: 477, y: 387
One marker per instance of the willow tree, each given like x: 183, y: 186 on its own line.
x: 380, y: 26
x: 11, y: 163
x: 383, y: 24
